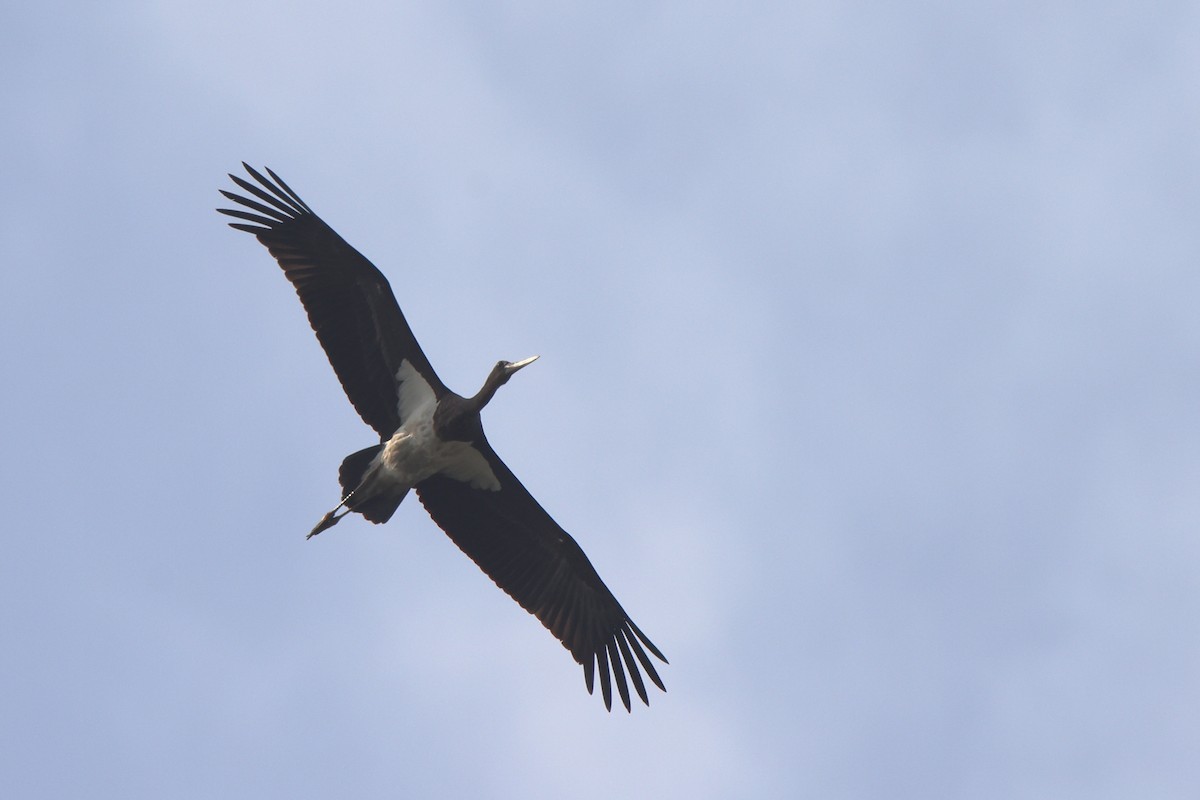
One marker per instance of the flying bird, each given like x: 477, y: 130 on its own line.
x: 432, y: 440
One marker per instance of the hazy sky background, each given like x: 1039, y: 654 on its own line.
x: 869, y: 382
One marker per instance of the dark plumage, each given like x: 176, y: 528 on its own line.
x: 432, y: 440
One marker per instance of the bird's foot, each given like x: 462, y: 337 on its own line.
x: 327, y: 522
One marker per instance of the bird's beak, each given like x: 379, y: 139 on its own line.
x: 516, y: 365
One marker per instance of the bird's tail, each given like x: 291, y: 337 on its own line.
x: 354, y: 468
x: 358, y: 497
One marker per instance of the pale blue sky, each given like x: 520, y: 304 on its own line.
x: 869, y: 382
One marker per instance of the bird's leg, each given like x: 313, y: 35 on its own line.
x: 327, y: 522
x: 331, y: 519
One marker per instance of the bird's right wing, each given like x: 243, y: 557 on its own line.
x: 349, y: 302
x: 520, y: 547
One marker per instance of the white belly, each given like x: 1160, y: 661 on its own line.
x: 415, y: 453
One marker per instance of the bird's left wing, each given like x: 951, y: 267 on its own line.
x: 349, y: 303
x: 520, y: 547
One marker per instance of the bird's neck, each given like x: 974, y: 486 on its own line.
x: 494, y: 381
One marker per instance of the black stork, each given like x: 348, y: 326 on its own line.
x: 431, y: 440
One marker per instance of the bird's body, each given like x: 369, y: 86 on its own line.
x: 435, y: 438
x: 432, y: 440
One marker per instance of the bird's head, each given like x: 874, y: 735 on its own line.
x: 506, y: 369
x: 498, y: 377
